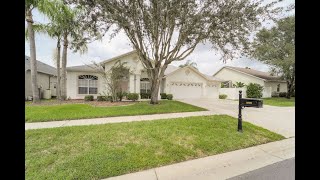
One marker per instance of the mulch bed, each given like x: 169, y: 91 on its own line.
x: 81, y: 101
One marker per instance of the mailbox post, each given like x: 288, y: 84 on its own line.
x: 240, y: 115
x: 247, y: 102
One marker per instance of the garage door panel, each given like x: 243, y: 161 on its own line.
x: 212, y: 92
x: 186, y: 90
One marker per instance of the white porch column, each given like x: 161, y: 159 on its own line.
x: 137, y: 82
x: 131, y: 83
x: 137, y: 85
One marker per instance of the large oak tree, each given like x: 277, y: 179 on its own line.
x: 167, y: 31
x: 276, y: 47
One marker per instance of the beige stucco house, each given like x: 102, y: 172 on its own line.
x: 185, y: 82
x: 47, y: 77
x: 246, y: 75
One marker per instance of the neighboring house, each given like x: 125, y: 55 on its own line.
x: 247, y: 75
x: 47, y: 77
x: 186, y: 82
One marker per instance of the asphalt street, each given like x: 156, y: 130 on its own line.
x: 283, y: 170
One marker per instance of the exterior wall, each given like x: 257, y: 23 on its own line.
x: 72, y: 85
x: 132, y: 62
x: 43, y: 81
x: 273, y: 85
x: 27, y: 84
x: 185, y: 76
x: 234, y: 76
x: 266, y: 93
x: 233, y: 93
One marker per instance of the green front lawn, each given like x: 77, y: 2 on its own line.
x: 279, y: 101
x: 82, y: 111
x: 101, y: 151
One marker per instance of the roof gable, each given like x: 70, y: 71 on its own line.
x: 253, y: 73
x: 206, y: 77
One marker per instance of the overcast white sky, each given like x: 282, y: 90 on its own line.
x: 208, y: 61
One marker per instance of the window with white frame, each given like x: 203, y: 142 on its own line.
x: 87, y: 84
x: 145, y: 85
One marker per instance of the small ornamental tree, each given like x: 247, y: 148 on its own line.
x: 112, y: 78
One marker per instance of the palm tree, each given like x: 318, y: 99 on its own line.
x: 53, y: 30
x: 45, y: 7
x: 72, y: 34
x: 189, y: 63
x: 63, y: 26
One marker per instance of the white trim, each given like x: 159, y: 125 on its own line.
x: 194, y: 70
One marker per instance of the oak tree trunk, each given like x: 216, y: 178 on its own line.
x: 289, y: 88
x: 155, y: 90
x: 33, y: 61
x: 58, y: 70
x: 63, y: 68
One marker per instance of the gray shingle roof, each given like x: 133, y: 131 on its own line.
x: 260, y: 74
x: 88, y: 68
x: 82, y: 68
x: 41, y: 67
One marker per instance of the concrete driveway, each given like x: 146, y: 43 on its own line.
x: 276, y: 119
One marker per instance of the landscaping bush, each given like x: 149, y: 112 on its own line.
x: 282, y: 94
x: 254, y: 90
x: 163, y: 95
x: 275, y: 94
x: 293, y: 94
x: 169, y: 96
x: 133, y: 96
x: 223, y: 96
x: 109, y: 98
x: 88, y: 98
x: 121, y: 94
x: 145, y: 95
x: 101, y: 98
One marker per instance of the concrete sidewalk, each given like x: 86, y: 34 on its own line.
x: 221, y: 166
x: 53, y: 124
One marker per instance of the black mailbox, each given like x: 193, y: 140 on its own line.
x: 251, y: 102
x: 247, y: 102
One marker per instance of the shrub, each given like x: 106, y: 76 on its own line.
x: 133, y: 96
x: 101, y: 98
x: 88, y: 98
x: 293, y: 94
x: 169, y: 96
x: 282, y: 94
x: 121, y: 94
x: 163, y: 95
x: 145, y: 95
x: 254, y: 90
x: 109, y: 98
x: 223, y: 96
x: 275, y: 94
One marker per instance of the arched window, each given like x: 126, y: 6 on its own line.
x: 87, y: 84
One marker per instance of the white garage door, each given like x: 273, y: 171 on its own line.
x: 185, y: 90
x: 212, y: 91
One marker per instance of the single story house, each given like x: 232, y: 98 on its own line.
x: 186, y: 82
x: 47, y: 77
x: 247, y: 75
